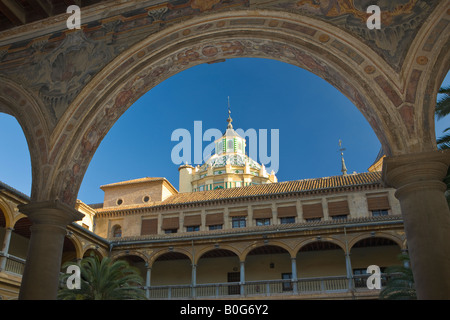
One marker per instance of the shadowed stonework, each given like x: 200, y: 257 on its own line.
x: 400, y: 21
x: 67, y: 88
x: 55, y: 65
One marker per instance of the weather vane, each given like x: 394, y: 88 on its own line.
x: 229, y: 120
x: 341, y: 149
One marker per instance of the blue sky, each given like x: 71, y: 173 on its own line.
x: 309, y: 113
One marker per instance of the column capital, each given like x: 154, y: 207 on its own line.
x: 50, y: 212
x: 416, y: 169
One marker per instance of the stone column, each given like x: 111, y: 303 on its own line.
x: 43, y: 264
x: 405, y: 263
x: 242, y: 278
x: 194, y: 279
x: 148, y: 280
x: 420, y: 190
x: 348, y: 267
x: 5, y: 248
x: 294, y: 274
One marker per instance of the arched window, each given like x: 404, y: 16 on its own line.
x: 117, y: 231
x: 230, y: 145
x: 238, y: 146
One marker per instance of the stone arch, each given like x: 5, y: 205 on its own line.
x: 171, y: 267
x: 135, y: 259
x: 136, y: 253
x: 27, y: 110
x: 17, y: 231
x: 382, y: 94
x: 19, y: 216
x: 207, y: 249
x: 319, y: 257
x: 392, y: 237
x: 71, y: 249
x: 306, y: 242
x: 267, y: 261
x: 7, y: 214
x: 382, y: 250
x: 344, y: 61
x: 77, y: 244
x: 101, y: 253
x: 257, y: 245
x: 162, y: 252
x: 22, y: 225
x: 213, y: 265
x: 424, y: 68
x: 93, y: 249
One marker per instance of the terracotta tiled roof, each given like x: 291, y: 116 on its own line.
x: 277, y: 188
x: 296, y: 186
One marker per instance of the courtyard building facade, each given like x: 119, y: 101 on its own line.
x: 311, y: 238
x: 67, y: 88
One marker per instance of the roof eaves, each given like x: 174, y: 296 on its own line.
x: 168, y: 204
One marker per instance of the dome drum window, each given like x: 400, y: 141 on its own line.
x: 230, y: 146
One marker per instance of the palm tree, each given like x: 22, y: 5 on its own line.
x: 400, y: 285
x: 104, y: 280
x: 443, y: 110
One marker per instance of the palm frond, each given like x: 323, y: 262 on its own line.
x: 444, y: 141
x: 104, y: 279
x: 443, y: 104
x: 400, y: 285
